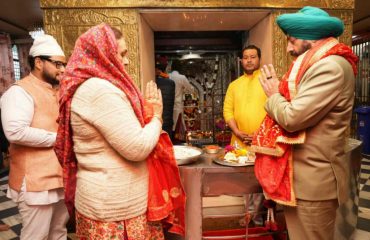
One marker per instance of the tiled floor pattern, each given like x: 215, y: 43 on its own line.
x: 363, y: 219
x: 9, y: 213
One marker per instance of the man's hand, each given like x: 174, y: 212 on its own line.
x: 248, y: 140
x: 245, y: 138
x: 269, y: 80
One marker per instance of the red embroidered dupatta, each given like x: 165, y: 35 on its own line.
x: 94, y: 55
x: 272, y: 144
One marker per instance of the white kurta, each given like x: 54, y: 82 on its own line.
x: 181, y: 85
x: 17, y: 108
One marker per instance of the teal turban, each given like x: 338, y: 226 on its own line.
x: 310, y: 23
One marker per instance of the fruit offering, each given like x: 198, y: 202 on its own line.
x: 238, y: 155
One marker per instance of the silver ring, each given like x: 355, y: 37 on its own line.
x: 269, y: 77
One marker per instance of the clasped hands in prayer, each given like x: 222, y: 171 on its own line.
x: 245, y: 138
x: 153, y: 96
x: 269, y: 81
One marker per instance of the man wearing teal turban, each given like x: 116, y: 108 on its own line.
x: 310, y: 23
x: 301, y: 142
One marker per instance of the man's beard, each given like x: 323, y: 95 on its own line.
x: 50, y: 79
x: 305, y: 46
x: 251, y: 71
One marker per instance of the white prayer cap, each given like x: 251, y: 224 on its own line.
x: 46, y: 45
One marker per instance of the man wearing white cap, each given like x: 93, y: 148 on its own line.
x: 29, y: 117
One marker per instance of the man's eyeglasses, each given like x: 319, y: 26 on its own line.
x: 57, y: 64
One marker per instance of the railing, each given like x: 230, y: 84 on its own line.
x: 361, y: 47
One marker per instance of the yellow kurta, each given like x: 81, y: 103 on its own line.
x: 244, y: 102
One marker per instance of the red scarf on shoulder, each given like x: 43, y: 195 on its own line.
x: 95, y: 56
x: 272, y: 144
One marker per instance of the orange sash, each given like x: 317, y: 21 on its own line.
x: 272, y: 144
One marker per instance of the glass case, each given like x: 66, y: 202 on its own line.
x: 203, y: 108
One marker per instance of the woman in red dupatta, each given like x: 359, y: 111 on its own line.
x: 96, y: 55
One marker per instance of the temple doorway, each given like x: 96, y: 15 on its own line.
x: 208, y: 43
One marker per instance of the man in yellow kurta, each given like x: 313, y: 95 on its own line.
x: 244, y: 111
x: 245, y: 99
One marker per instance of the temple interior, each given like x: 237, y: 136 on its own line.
x: 207, y: 38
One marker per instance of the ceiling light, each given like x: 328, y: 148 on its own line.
x: 190, y: 55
